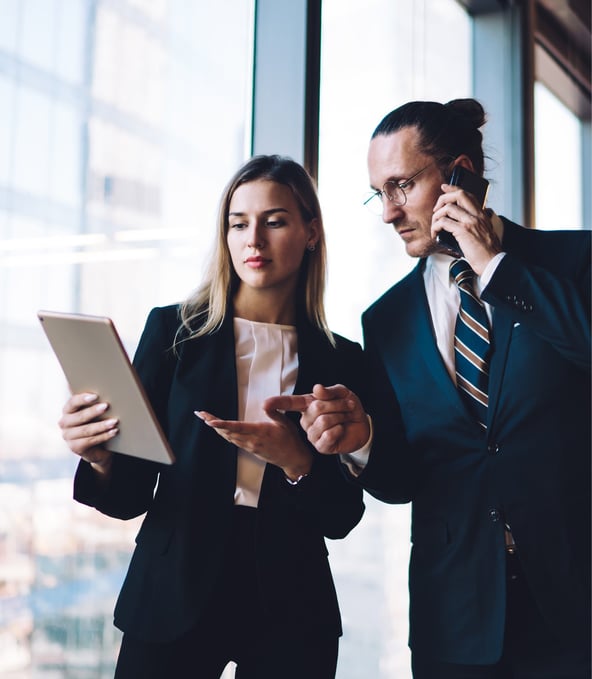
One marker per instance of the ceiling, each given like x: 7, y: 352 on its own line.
x: 562, y: 27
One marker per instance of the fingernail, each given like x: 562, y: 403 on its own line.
x: 89, y: 398
x: 198, y: 413
x: 101, y: 407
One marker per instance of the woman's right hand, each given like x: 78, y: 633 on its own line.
x: 85, y: 434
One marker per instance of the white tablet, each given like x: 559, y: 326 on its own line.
x: 94, y: 359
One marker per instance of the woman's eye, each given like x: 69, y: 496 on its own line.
x: 275, y: 223
x: 238, y: 225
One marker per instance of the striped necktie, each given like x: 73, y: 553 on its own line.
x: 471, y: 343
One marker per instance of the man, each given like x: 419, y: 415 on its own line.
x: 495, y: 462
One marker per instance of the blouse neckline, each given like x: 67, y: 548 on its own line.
x: 279, y: 326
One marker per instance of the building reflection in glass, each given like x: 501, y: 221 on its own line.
x: 120, y: 122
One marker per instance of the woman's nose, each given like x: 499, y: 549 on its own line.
x: 256, y: 240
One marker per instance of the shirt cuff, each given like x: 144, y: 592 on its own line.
x: 356, y: 462
x: 489, y: 270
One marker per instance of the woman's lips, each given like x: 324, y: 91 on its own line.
x: 257, y: 262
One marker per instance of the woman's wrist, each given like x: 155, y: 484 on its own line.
x: 295, y: 473
x: 102, y: 468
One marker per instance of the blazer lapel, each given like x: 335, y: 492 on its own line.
x: 502, y: 326
x: 501, y: 333
x: 209, y: 367
x: 207, y: 376
x: 421, y: 320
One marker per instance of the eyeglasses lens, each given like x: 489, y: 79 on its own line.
x: 390, y: 191
x: 395, y: 193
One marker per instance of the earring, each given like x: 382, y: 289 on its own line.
x: 311, y: 247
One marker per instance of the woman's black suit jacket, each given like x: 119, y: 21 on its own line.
x: 182, y: 541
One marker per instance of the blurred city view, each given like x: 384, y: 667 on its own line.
x: 120, y: 123
x: 59, y: 569
x: 109, y: 177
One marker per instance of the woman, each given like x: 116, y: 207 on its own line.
x: 230, y: 562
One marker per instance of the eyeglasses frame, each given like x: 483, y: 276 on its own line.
x: 400, y: 185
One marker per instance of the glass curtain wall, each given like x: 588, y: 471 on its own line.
x: 120, y: 123
x: 375, y: 56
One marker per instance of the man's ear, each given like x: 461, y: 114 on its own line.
x: 464, y: 161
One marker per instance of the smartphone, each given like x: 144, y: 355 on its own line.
x: 471, y: 183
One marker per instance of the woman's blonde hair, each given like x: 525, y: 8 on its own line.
x: 204, y: 311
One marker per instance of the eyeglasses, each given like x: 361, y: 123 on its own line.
x: 394, y: 191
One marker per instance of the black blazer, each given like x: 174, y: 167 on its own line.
x: 181, y: 543
x: 530, y: 469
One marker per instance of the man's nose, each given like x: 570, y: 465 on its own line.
x: 390, y: 211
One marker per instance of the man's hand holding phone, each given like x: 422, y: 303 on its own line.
x: 471, y: 183
x: 460, y: 224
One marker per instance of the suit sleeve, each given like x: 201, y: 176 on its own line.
x: 129, y: 491
x: 326, y: 499
x: 340, y: 504
x: 391, y: 473
x: 553, y: 303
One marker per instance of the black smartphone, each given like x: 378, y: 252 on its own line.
x: 471, y: 183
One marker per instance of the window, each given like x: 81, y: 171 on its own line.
x: 562, y: 114
x: 558, y: 163
x: 117, y: 143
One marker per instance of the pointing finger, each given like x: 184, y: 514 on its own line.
x: 289, y: 403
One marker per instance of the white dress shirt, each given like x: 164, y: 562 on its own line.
x: 266, y: 365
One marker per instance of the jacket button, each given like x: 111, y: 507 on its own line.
x: 493, y: 448
x: 494, y: 515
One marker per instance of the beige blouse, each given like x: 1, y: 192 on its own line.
x: 266, y: 365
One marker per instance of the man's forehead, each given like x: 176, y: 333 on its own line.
x: 393, y: 153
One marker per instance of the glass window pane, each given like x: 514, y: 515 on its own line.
x: 558, y: 163
x: 38, y: 32
x: 32, y: 141
x: 70, y: 37
x: 7, y: 107
x: 401, y: 59
x: 9, y: 26
x: 66, y: 154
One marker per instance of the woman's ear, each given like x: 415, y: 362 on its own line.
x: 313, y: 235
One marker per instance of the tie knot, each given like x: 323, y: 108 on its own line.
x: 461, y: 272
